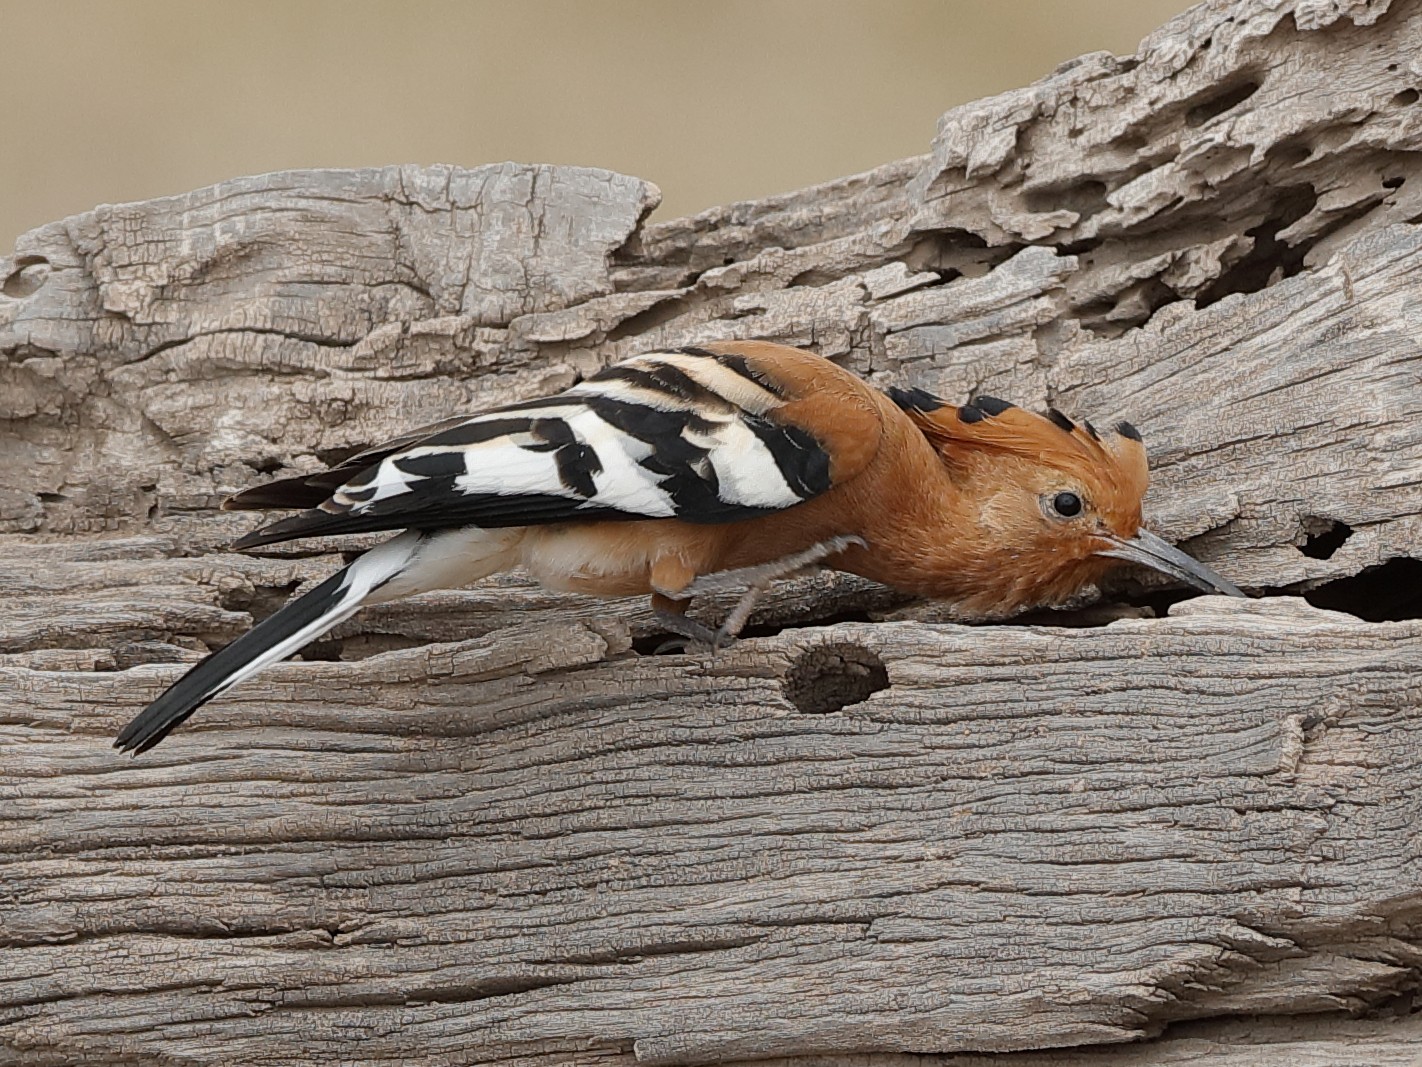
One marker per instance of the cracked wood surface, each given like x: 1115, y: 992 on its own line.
x: 1053, y: 837
x: 482, y: 825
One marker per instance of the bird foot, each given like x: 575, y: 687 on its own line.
x: 691, y: 635
x: 755, y: 580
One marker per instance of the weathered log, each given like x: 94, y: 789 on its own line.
x: 492, y: 825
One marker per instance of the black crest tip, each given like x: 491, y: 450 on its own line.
x: 915, y: 399
x: 969, y: 413
x: 1060, y: 421
x: 990, y: 405
x: 1126, y: 430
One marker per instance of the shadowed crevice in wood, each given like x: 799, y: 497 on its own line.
x: 1389, y: 592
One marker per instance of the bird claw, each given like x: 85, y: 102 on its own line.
x: 681, y: 645
x: 692, y: 636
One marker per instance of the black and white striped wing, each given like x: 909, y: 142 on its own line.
x: 691, y: 435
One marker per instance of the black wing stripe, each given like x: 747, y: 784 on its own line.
x: 663, y: 430
x: 801, y: 461
x: 552, y: 406
x: 664, y: 379
x: 577, y: 462
x: 486, y: 510
x: 423, y: 465
x: 476, y: 432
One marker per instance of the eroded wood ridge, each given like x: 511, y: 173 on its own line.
x: 494, y: 827
x: 533, y: 813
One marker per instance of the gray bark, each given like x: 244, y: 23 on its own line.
x: 490, y: 825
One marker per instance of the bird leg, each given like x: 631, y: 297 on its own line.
x: 755, y: 580
x: 689, y: 632
x: 762, y: 574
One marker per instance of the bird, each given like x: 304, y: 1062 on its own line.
x: 706, y: 468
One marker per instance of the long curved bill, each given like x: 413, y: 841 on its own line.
x: 1148, y: 549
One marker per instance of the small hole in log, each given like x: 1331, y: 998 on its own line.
x: 1270, y: 260
x: 659, y: 314
x: 261, y: 602
x: 325, y: 650
x: 1084, y: 197
x: 1291, y: 153
x: 1323, y: 537
x: 1406, y: 97
x: 814, y: 278
x: 831, y: 677
x: 334, y: 457
x: 28, y: 275
x: 1216, y: 106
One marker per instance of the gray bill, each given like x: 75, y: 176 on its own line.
x: 1148, y: 549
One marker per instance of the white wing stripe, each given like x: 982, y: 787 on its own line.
x: 503, y: 468
x: 623, y: 483
x: 628, y: 393
x: 746, y: 471
x: 389, y: 481
x: 725, y: 382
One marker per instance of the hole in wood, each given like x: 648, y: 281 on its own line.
x: 325, y: 649
x: 266, y: 464
x: 1290, y: 154
x: 25, y: 279
x: 1270, y: 260
x: 1323, y: 537
x: 261, y: 602
x: 658, y: 314
x: 833, y: 676
x: 1084, y: 197
x: 1389, y: 592
x: 1406, y: 97
x: 1217, y: 105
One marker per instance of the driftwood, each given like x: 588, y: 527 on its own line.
x: 492, y: 825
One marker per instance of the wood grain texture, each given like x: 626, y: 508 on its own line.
x: 488, y: 825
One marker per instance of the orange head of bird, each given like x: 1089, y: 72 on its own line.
x: 1054, y: 503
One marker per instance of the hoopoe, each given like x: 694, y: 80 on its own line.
x: 706, y: 468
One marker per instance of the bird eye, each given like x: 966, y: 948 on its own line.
x: 1067, y: 505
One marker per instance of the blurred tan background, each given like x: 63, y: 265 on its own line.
x: 113, y: 100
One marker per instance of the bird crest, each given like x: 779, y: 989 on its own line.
x: 1111, y: 466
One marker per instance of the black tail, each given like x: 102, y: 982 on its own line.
x: 262, y: 644
x: 294, y: 626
